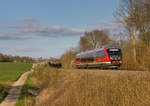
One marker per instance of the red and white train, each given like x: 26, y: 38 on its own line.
x: 105, y: 57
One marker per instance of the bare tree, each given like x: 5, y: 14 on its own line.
x: 95, y: 39
x: 129, y: 14
x: 144, y: 29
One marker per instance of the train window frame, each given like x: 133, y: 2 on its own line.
x: 91, y: 56
x: 77, y: 57
x: 83, y: 58
x: 119, y: 52
x: 100, y: 53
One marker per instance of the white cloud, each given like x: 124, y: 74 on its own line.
x: 44, y: 30
x: 29, y: 19
x: 112, y: 25
x: 12, y: 36
x: 27, y: 31
x: 13, y: 26
x: 28, y: 50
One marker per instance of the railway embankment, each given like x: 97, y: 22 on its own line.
x: 87, y: 87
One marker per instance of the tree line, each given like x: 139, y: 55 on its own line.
x: 134, y: 15
x: 9, y: 58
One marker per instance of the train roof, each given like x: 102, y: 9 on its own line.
x: 107, y: 47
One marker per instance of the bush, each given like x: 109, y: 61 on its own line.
x: 3, y: 92
x: 68, y: 59
x: 43, y: 76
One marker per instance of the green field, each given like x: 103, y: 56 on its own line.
x: 10, y: 72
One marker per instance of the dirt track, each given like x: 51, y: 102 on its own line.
x: 15, y: 90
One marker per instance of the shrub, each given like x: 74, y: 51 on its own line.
x: 68, y: 59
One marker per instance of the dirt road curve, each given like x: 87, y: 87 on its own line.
x: 15, y: 91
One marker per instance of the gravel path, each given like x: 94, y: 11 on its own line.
x: 15, y: 90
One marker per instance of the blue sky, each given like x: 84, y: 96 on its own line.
x: 46, y: 28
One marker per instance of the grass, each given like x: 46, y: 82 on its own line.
x: 9, y: 73
x: 26, y: 98
x: 86, y: 88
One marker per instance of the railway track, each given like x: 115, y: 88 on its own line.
x: 110, y: 73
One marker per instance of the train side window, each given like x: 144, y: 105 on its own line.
x: 78, y: 57
x: 91, y: 56
x: 100, y: 53
x: 83, y: 58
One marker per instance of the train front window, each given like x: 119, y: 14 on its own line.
x: 114, y: 53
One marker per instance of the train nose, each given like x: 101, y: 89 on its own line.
x: 115, y: 58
